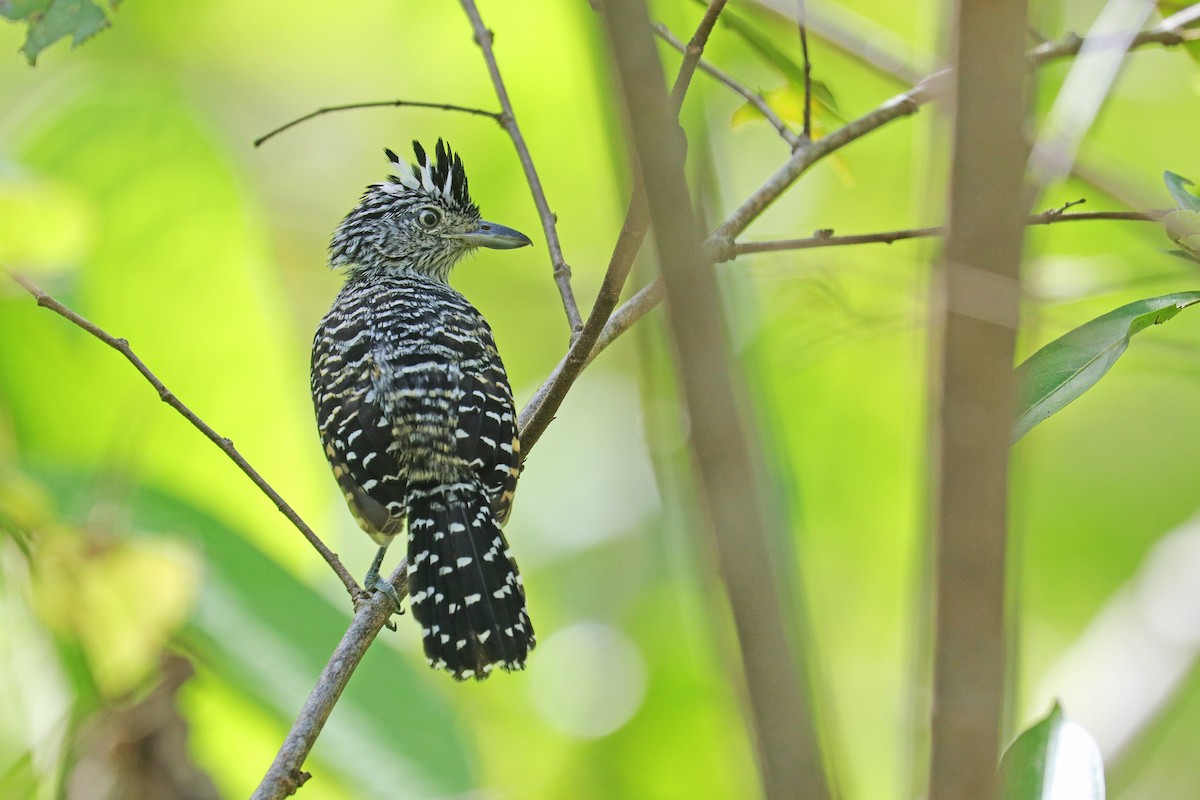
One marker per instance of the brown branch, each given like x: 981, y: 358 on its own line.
x: 284, y: 775
x: 508, y: 119
x: 977, y: 312
x: 376, y: 104
x: 732, y: 83
x: 167, y: 396
x: 826, y: 238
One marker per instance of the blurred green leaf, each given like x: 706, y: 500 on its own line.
x: 51, y: 20
x: 175, y: 261
x: 269, y: 635
x: 19, y: 778
x: 1055, y: 759
x: 42, y: 223
x: 1177, y: 186
x: 392, y: 734
x: 1071, y: 364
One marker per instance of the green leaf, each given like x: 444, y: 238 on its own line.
x: 1177, y: 186
x: 51, y: 20
x: 1071, y: 364
x: 1056, y: 759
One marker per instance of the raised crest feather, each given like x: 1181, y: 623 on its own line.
x: 442, y: 176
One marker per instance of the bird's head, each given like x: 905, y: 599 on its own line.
x: 421, y: 221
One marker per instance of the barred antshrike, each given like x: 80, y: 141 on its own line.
x: 416, y: 414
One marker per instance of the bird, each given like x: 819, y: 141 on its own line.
x: 416, y: 414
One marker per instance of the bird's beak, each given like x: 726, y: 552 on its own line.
x: 489, y: 234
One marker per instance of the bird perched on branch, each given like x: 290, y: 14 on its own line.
x: 416, y: 414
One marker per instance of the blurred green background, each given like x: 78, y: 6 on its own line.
x: 129, y: 189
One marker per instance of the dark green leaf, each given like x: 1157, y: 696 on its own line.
x: 19, y: 10
x: 51, y: 20
x: 1177, y: 186
x: 1054, y: 759
x: 1071, y: 364
x: 1184, y: 254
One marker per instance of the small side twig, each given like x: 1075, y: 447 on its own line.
x: 375, y: 104
x: 508, y: 119
x: 827, y: 239
x: 1172, y: 31
x: 167, y: 396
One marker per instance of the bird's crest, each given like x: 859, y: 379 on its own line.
x: 442, y: 177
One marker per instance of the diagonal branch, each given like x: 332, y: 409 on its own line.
x: 284, y: 775
x: 562, y: 271
x: 167, y: 396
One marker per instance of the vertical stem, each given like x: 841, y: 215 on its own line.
x: 803, y: 16
x: 726, y: 460
x: 978, y: 325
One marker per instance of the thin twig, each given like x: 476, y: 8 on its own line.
x: 1170, y: 32
x: 859, y: 37
x: 753, y: 98
x: 376, y: 104
x: 284, y: 775
x: 508, y: 119
x: 693, y: 53
x: 806, y: 132
x: 167, y: 396
x: 540, y: 410
x: 827, y: 239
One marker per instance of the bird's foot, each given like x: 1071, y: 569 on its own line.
x: 374, y: 583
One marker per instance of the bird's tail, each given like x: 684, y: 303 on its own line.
x: 465, y: 590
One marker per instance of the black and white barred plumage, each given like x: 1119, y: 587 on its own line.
x: 416, y: 414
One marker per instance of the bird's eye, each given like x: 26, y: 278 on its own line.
x: 429, y: 219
